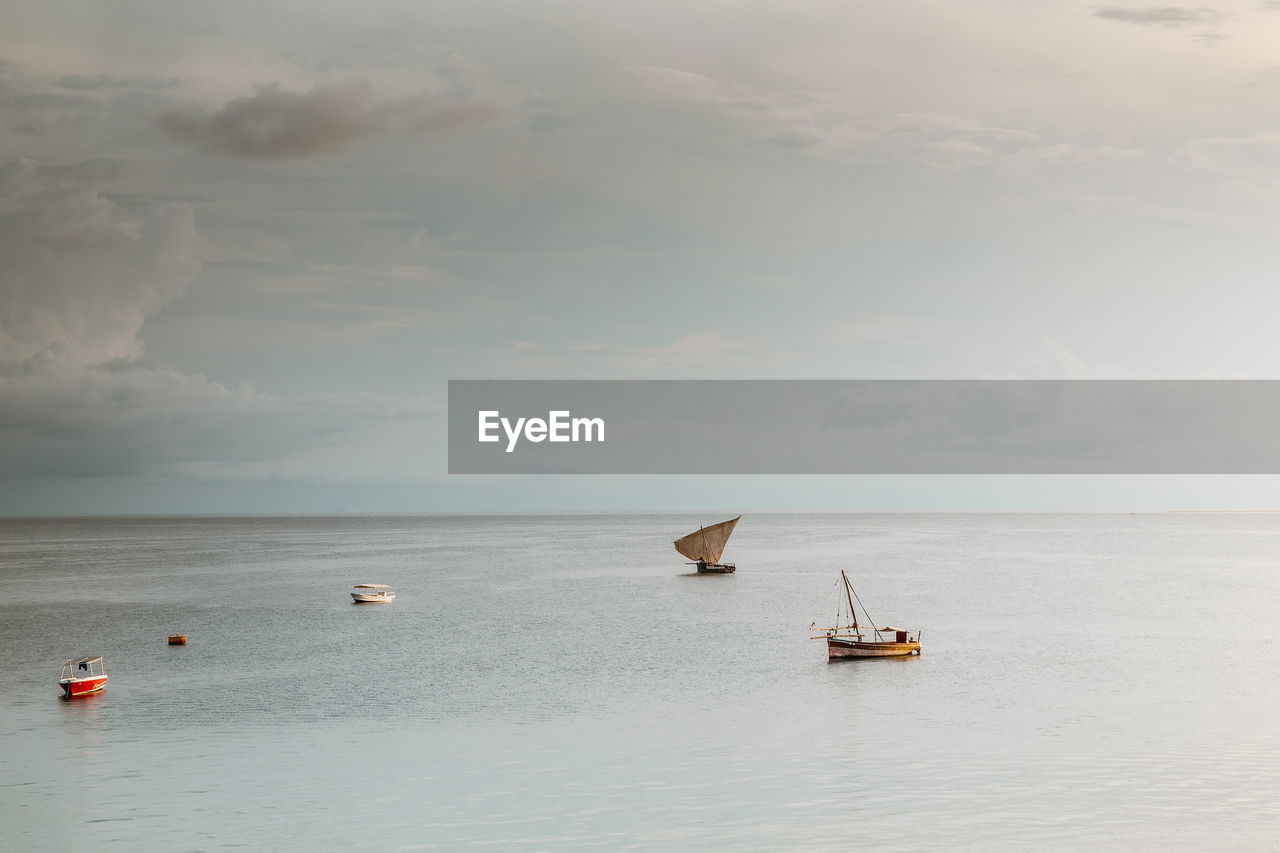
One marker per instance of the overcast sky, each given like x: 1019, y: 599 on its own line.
x: 244, y: 245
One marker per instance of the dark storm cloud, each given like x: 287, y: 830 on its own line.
x: 1160, y: 16
x: 330, y: 119
x: 80, y: 273
x: 272, y: 123
x: 78, y: 395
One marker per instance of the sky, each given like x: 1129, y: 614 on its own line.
x: 243, y: 246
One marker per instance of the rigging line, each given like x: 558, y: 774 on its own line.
x: 868, y: 615
x: 848, y: 594
x: 833, y: 589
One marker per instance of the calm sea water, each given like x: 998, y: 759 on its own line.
x: 561, y: 682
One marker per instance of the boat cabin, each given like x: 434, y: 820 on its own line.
x: 82, y: 668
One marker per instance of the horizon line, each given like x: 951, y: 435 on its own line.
x: 598, y: 512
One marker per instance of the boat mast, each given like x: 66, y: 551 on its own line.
x: 848, y: 592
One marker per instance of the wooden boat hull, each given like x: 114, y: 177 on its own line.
x: 705, y: 569
x: 368, y: 598
x: 177, y: 639
x: 75, y: 687
x: 841, y: 649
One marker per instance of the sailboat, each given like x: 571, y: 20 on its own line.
x: 849, y: 641
x: 705, y: 545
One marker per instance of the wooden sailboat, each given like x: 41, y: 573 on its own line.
x: 706, y: 544
x: 848, y: 641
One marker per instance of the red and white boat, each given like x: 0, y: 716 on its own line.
x: 82, y: 676
x: 849, y: 641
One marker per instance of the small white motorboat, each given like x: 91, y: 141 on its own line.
x: 373, y: 593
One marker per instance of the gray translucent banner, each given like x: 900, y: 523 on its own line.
x: 863, y: 427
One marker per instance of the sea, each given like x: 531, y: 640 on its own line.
x: 565, y: 682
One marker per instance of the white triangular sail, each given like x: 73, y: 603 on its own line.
x: 707, y: 544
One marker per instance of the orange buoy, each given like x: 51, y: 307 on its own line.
x: 177, y: 639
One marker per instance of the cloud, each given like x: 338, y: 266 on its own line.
x: 81, y: 274
x: 328, y: 120
x: 1253, y: 156
x: 65, y: 419
x: 67, y: 117
x: 1050, y: 359
x: 273, y: 123
x: 1160, y: 16
x: 78, y: 397
x: 822, y: 124
x: 427, y: 113
x: 97, y: 82
x: 29, y: 107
